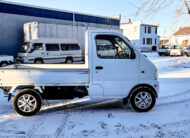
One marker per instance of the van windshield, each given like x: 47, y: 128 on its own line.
x: 176, y: 47
x: 165, y: 47
x: 24, y: 48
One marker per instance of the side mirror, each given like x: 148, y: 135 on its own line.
x: 132, y: 56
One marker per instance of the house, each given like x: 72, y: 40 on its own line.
x: 143, y: 36
x: 181, y: 37
x: 164, y: 40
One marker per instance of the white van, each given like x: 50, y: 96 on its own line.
x: 177, y: 50
x: 50, y: 51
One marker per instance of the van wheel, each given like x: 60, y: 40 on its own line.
x: 142, y: 100
x: 69, y: 61
x: 39, y: 61
x: 3, y: 64
x: 27, y: 102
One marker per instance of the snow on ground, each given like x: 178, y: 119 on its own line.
x: 169, y: 118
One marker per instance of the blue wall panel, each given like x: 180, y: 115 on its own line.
x: 30, y: 11
x: 37, y: 12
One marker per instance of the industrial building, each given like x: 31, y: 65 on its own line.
x: 13, y: 16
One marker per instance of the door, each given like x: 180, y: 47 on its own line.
x: 36, y: 52
x: 53, y: 54
x: 113, y: 68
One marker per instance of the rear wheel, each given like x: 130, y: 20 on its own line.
x: 27, y: 102
x: 142, y: 100
x: 39, y: 61
x: 160, y: 54
x: 69, y: 61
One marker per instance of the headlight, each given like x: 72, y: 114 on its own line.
x: 156, y: 74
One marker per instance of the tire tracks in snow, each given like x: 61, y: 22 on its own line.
x: 35, y: 126
x: 60, y: 131
x: 173, y: 99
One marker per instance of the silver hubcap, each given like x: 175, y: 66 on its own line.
x: 69, y: 61
x: 4, y: 64
x: 143, y: 100
x: 27, y: 103
x: 38, y: 61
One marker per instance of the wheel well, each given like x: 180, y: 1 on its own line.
x: 4, y: 62
x: 142, y: 86
x: 25, y: 87
x: 69, y: 58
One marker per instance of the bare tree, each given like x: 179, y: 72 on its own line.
x: 151, y: 7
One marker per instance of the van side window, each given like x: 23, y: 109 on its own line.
x: 74, y: 47
x: 70, y: 47
x: 36, y: 46
x: 64, y: 47
x: 108, y: 47
x: 52, y: 47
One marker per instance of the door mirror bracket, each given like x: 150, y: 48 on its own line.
x: 132, y: 55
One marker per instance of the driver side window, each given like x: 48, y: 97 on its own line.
x: 112, y: 47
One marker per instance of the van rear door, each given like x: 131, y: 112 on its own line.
x: 112, y: 67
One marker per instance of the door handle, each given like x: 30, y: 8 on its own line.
x: 99, y: 67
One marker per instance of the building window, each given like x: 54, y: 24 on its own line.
x: 149, y: 41
x: 143, y: 41
x: 149, y: 29
x: 145, y: 29
x: 135, y: 29
x: 156, y: 30
x: 155, y: 41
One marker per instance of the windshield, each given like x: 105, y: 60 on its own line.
x: 176, y: 47
x: 165, y: 47
x: 24, y: 48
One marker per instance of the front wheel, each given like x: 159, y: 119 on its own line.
x: 142, y: 100
x: 3, y: 64
x: 39, y: 61
x: 27, y: 102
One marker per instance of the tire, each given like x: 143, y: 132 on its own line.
x: 69, y: 61
x: 140, y: 98
x: 160, y: 54
x: 188, y: 55
x: 3, y: 64
x: 39, y: 61
x: 26, y: 107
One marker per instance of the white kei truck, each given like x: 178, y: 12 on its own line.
x: 123, y: 73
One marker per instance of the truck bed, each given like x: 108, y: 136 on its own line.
x: 31, y: 75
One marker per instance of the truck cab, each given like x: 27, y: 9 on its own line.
x: 113, y: 69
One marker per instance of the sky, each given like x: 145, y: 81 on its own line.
x: 168, y: 24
